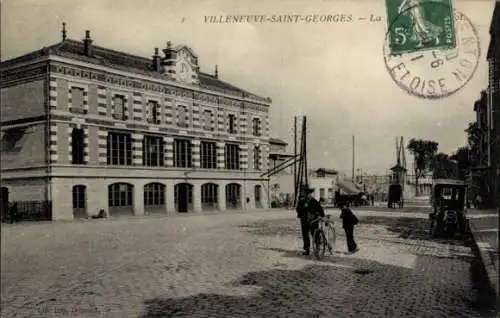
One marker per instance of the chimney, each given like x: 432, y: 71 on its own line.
x: 216, y: 74
x: 87, y: 44
x: 64, y: 31
x: 157, y: 61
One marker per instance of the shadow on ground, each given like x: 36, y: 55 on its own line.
x: 413, y: 229
x: 374, y: 290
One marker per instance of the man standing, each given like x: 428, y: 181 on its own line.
x: 349, y: 220
x: 308, y: 208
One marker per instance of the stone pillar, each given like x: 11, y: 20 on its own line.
x: 195, y: 151
x: 196, y: 116
x: 170, y: 197
x: 243, y: 156
x: 221, y: 163
x: 102, y: 143
x: 54, y: 158
x: 97, y: 197
x: 102, y: 108
x: 169, y: 152
x: 138, y: 199
x: 62, y: 204
x: 221, y: 197
x: 137, y: 149
x: 197, y: 197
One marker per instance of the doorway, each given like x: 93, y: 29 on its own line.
x: 183, y: 197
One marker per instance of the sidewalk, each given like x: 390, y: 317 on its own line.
x: 484, y: 225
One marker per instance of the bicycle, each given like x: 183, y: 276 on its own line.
x: 324, y: 236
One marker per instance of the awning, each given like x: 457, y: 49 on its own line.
x: 348, y: 187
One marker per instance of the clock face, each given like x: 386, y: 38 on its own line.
x: 183, y: 71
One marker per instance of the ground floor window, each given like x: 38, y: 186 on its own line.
x: 78, y: 197
x: 258, y: 196
x: 120, y: 194
x: 154, y: 194
x: 233, y: 196
x: 209, y: 196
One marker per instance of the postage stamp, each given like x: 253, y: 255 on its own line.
x: 417, y: 27
x: 431, y: 50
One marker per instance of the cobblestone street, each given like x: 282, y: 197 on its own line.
x: 235, y: 265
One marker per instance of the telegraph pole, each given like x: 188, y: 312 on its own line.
x: 353, y: 158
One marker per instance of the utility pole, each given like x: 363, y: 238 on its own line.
x: 295, y: 156
x: 353, y: 158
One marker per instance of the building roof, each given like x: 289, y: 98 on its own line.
x: 494, y: 31
x: 276, y: 141
x: 398, y: 167
x: 327, y: 171
x: 123, y: 61
x: 348, y: 187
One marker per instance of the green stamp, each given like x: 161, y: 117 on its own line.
x: 417, y: 25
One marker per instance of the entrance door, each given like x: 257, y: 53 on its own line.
x: 4, y: 202
x: 183, y: 197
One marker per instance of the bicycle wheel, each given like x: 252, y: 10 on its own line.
x: 319, y: 242
x: 331, y: 238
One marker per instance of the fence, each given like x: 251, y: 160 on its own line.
x: 31, y: 211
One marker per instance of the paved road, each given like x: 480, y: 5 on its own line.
x: 235, y: 265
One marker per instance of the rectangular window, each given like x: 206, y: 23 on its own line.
x: 152, y: 112
x: 232, y: 124
x: 119, y: 109
x: 152, y: 151
x: 182, y: 116
x: 119, y: 149
x: 256, y: 127
x: 77, y: 98
x: 207, y: 120
x: 182, y: 153
x: 77, y: 146
x: 208, y: 155
x: 232, y: 154
x: 256, y: 158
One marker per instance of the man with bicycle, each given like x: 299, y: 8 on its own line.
x: 308, y: 209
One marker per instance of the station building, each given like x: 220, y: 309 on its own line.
x: 86, y: 128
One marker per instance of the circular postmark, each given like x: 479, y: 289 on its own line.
x: 431, y: 51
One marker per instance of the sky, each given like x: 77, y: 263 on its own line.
x: 334, y: 73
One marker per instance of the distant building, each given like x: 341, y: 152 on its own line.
x: 323, y: 180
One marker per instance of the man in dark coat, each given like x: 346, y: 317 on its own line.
x: 349, y: 220
x: 308, y: 208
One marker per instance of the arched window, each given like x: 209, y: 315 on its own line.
x: 209, y: 196
x: 120, y: 194
x: 154, y: 194
x: 233, y: 196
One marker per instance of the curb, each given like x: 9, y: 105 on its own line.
x: 484, y: 257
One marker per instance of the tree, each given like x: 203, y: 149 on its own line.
x: 423, y: 152
x: 443, y: 166
x: 462, y: 157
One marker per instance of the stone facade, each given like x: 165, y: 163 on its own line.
x: 63, y: 105
x: 493, y: 58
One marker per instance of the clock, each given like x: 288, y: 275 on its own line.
x: 183, y: 71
